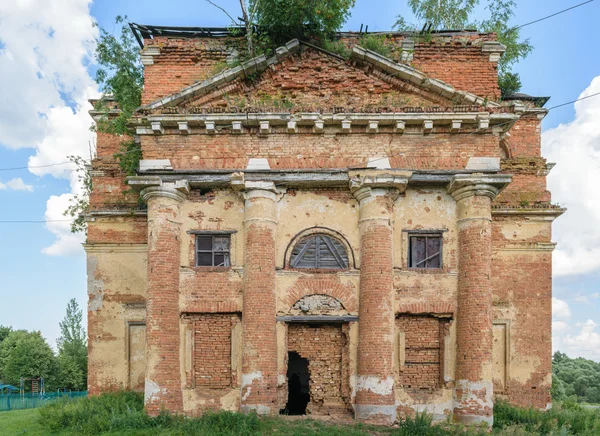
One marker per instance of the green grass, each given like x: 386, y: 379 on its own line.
x: 122, y: 414
x: 21, y: 422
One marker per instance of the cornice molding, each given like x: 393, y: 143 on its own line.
x: 115, y: 248
x: 344, y: 122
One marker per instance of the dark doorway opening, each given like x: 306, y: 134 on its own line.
x: 298, y: 384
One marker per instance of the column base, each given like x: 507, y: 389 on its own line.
x: 375, y: 413
x: 474, y: 419
x: 259, y: 409
x: 473, y: 402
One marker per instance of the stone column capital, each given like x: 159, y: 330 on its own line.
x: 371, y: 183
x: 254, y: 188
x: 176, y: 191
x: 467, y: 185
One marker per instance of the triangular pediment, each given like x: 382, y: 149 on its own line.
x: 304, y: 78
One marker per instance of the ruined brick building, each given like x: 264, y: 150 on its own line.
x: 360, y: 237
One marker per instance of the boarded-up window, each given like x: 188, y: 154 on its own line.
x: 499, y: 356
x: 319, y: 251
x: 425, y: 251
x: 212, y: 349
x: 421, y: 357
x: 137, y: 356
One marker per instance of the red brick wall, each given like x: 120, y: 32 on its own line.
x: 108, y: 182
x: 212, y: 350
x: 181, y: 63
x: 326, y: 348
x: 458, y: 60
x: 435, y: 151
x: 424, y: 337
x: 466, y: 68
x: 118, y: 230
x: 312, y: 80
x: 525, y: 137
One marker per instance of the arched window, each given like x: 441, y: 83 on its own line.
x: 319, y: 251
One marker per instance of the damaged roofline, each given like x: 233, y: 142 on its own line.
x: 148, y: 31
x: 260, y: 63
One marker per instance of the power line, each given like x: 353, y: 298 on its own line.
x: 36, y: 166
x: 550, y: 16
x: 514, y: 28
x: 574, y: 101
x: 30, y: 221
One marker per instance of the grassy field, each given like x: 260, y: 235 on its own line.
x: 123, y: 414
x: 27, y: 422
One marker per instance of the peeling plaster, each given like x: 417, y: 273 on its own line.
x: 95, y: 286
x: 247, y: 380
x: 152, y: 391
x: 372, y: 383
x: 471, y: 393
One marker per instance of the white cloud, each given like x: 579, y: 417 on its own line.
x: 66, y: 243
x: 45, y: 49
x: 560, y: 314
x: 586, y: 343
x: 579, y: 340
x: 575, y: 147
x: 560, y: 309
x: 16, y: 184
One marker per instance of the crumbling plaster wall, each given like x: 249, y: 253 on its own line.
x: 117, y: 280
x: 523, y: 301
x: 117, y: 293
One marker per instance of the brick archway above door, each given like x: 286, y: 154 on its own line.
x: 327, y: 286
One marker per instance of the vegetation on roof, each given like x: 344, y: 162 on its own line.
x: 457, y: 14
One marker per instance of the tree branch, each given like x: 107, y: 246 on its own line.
x: 226, y: 13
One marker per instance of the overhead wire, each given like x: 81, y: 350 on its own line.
x: 374, y: 160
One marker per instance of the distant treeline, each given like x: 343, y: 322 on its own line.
x: 577, y: 377
x: 25, y: 354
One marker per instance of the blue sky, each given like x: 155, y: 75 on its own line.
x: 45, y: 53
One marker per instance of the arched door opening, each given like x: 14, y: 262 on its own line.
x: 298, y: 384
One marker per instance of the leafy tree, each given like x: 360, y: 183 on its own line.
x: 578, y: 378
x: 4, y: 332
x: 72, y: 348
x: 80, y: 203
x: 558, y: 389
x: 455, y: 14
x: 443, y: 14
x: 27, y: 354
x: 7, y: 346
x: 120, y: 75
x: 283, y: 20
x: 71, y: 374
